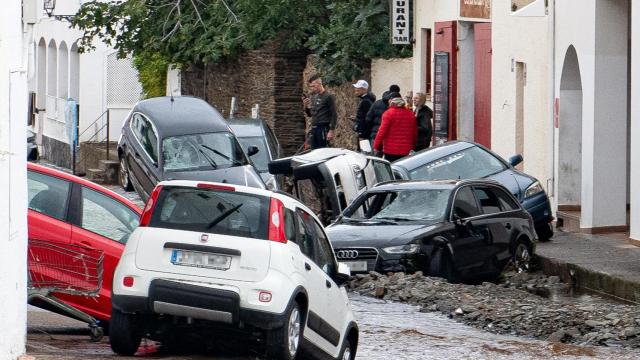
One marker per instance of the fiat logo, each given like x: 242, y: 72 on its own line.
x: 204, y: 238
x: 347, y: 254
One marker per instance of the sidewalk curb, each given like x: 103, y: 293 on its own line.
x: 598, y: 282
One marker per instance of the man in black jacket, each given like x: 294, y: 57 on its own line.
x: 374, y: 116
x: 361, y: 89
x: 321, y: 107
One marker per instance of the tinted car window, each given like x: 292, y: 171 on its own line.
x: 47, y: 194
x: 261, y: 158
x: 137, y: 124
x: 271, y: 140
x: 150, y: 141
x: 383, y: 171
x: 212, y: 211
x: 304, y: 234
x: 470, y: 163
x: 487, y: 199
x: 323, y: 256
x: 465, y: 204
x: 106, y: 216
x: 202, y: 152
x: 411, y: 205
x: 506, y: 202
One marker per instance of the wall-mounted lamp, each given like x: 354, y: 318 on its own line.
x: 49, y: 6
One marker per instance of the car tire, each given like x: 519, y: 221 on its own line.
x: 441, y: 265
x: 347, y: 352
x: 544, y: 232
x: 125, y: 334
x: 284, y: 343
x: 522, y: 256
x: 123, y: 175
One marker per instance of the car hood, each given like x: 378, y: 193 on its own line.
x: 515, y: 181
x: 238, y: 175
x: 368, y: 234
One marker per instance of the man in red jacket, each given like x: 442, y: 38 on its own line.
x: 398, y: 132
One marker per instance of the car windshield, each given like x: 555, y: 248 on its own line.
x: 402, y: 205
x: 202, y: 152
x: 470, y: 163
x: 261, y: 158
x: 212, y: 211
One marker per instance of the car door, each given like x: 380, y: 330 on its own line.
x: 104, y: 223
x: 494, y: 218
x: 317, y: 331
x: 48, y: 199
x: 510, y: 221
x: 144, y: 157
x: 471, y: 232
x: 335, y: 309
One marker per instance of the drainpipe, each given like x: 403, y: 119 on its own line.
x: 551, y: 189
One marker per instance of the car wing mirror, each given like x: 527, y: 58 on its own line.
x: 252, y: 150
x: 343, y: 274
x: 515, y: 160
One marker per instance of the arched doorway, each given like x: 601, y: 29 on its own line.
x: 570, y: 137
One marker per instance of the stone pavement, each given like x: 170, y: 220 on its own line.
x: 607, y: 264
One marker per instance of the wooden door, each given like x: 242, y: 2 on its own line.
x: 482, y: 103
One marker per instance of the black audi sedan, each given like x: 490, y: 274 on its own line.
x: 180, y: 138
x: 467, y: 160
x: 456, y: 229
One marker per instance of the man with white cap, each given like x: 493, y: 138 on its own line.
x: 361, y: 89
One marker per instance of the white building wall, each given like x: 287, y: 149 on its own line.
x: 13, y: 178
x: 388, y: 72
x: 635, y: 122
x: 466, y: 81
x: 527, y: 40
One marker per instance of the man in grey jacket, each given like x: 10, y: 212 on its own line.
x: 321, y: 107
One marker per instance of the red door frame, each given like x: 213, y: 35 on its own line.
x: 482, y: 86
x: 446, y: 41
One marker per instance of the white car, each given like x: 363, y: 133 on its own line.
x: 226, y: 256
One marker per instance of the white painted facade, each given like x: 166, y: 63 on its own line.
x: 523, y: 41
x: 97, y: 80
x: 635, y: 125
x: 13, y: 179
x: 592, y: 140
x: 388, y: 72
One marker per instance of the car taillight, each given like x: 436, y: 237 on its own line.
x: 216, y: 187
x: 276, y: 221
x: 127, y: 281
x: 148, y: 208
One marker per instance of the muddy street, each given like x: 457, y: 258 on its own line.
x: 389, y: 330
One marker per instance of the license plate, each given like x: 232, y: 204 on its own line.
x: 356, y: 265
x: 201, y: 260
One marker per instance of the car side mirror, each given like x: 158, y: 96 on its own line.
x: 343, y: 274
x: 515, y: 160
x: 252, y: 150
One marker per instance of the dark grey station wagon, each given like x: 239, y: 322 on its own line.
x: 180, y: 138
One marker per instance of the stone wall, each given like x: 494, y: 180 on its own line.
x: 275, y: 80
x: 268, y: 77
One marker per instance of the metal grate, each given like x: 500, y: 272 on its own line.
x: 123, y: 87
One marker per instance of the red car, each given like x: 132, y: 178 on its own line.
x: 67, y: 209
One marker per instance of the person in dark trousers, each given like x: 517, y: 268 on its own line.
x: 398, y: 132
x: 361, y: 90
x: 374, y: 116
x: 321, y: 107
x: 424, y: 114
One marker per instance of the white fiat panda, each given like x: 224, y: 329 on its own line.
x: 211, y: 255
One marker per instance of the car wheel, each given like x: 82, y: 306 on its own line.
x: 347, y: 352
x: 123, y: 175
x: 522, y: 257
x: 441, y: 265
x: 125, y: 334
x: 544, y: 232
x: 284, y: 343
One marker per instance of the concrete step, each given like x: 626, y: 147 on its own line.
x: 96, y: 175
x: 568, y: 220
x: 111, y: 169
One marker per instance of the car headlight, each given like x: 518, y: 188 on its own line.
x: 533, y: 189
x: 402, y: 249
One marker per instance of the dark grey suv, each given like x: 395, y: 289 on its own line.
x: 180, y: 138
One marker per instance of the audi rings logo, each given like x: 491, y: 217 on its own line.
x: 347, y: 254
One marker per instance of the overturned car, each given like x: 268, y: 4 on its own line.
x: 329, y: 179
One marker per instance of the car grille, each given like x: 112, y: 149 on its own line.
x: 370, y: 255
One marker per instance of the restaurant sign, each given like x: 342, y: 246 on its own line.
x: 400, y: 22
